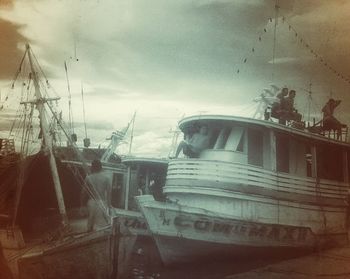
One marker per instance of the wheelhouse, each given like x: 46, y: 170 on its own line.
x: 271, y: 146
x: 143, y: 176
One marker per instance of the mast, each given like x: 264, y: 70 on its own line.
x: 86, y: 139
x: 47, y: 139
x: 70, y: 112
x: 274, y: 40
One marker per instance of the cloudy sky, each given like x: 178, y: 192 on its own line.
x: 167, y: 59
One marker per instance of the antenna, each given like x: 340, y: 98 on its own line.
x: 70, y: 113
x: 274, y: 40
x: 86, y: 139
x: 309, y: 100
x: 75, y: 51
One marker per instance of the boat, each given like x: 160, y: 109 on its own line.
x: 42, y: 231
x: 260, y: 188
x: 136, y: 247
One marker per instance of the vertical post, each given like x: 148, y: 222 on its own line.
x: 345, y: 166
x: 147, y: 191
x: 127, y: 188
x: 273, y: 153
x: 47, y: 143
x: 314, y: 161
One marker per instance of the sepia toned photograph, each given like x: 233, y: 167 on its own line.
x: 174, y: 139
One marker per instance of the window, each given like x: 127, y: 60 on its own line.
x: 117, y: 190
x: 230, y: 139
x: 282, y: 152
x: 329, y: 162
x: 222, y: 138
x: 255, y: 147
x: 235, y: 139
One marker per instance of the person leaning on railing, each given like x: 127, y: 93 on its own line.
x: 329, y: 121
x: 198, y: 142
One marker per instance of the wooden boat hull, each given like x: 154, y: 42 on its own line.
x: 86, y: 256
x: 185, y: 234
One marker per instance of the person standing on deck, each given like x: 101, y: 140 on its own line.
x: 197, y: 143
x: 277, y: 107
x: 100, y: 186
x: 329, y: 121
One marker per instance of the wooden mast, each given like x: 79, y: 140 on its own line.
x: 47, y: 139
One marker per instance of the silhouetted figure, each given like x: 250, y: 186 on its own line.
x: 284, y: 110
x: 277, y: 107
x: 329, y: 121
x: 100, y: 185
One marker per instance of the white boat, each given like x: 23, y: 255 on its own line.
x: 261, y: 187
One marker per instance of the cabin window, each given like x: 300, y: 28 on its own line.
x: 282, y: 153
x: 329, y: 162
x: 255, y: 147
x: 117, y: 190
x: 222, y: 138
x: 230, y: 139
x: 213, y: 137
x: 235, y: 139
x: 298, y: 150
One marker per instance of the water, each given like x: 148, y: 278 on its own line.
x: 145, y: 263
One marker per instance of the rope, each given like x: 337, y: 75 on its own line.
x: 274, y: 40
x: 70, y: 114
x: 82, y: 98
x: 91, y: 192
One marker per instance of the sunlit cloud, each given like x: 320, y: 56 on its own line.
x: 166, y: 59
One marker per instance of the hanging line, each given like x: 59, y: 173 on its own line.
x: 274, y: 41
x: 252, y: 49
x: 70, y: 114
x: 302, y: 41
x: 82, y: 98
x: 317, y: 56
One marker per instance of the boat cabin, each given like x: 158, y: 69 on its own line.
x: 271, y: 146
x: 145, y: 176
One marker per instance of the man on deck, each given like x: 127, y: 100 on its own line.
x: 198, y: 142
x: 100, y: 199
x: 329, y: 121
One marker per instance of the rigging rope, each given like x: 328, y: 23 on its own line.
x: 70, y: 114
x: 274, y: 40
x: 82, y: 98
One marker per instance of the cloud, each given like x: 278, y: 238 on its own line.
x: 169, y: 58
x: 10, y: 55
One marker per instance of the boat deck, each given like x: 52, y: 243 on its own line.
x: 37, y: 245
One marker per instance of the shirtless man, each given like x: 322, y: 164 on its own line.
x: 101, y: 187
x: 197, y: 143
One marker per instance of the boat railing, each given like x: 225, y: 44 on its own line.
x: 216, y: 174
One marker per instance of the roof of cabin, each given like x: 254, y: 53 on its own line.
x: 145, y: 161
x: 202, y: 119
